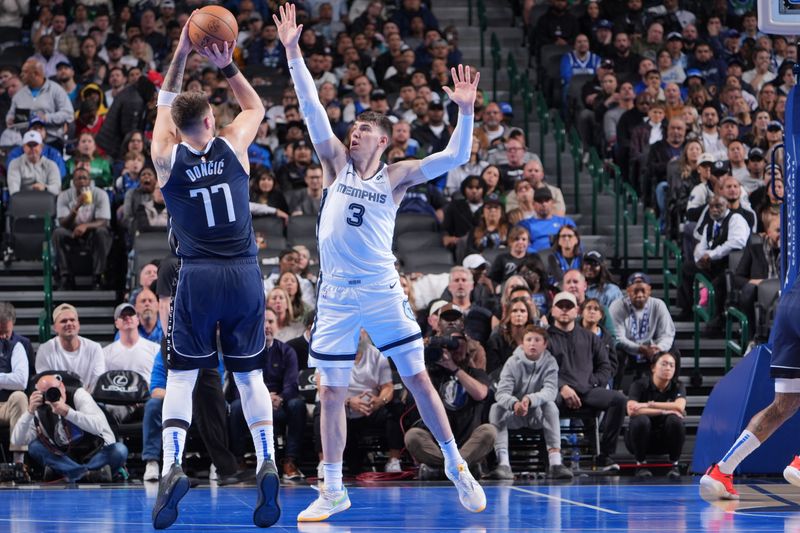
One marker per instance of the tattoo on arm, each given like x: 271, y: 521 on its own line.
x: 162, y: 165
x: 173, y: 81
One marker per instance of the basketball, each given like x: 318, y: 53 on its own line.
x: 212, y: 24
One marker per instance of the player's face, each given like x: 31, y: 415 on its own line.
x: 367, y: 139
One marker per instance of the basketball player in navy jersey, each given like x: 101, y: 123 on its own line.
x: 204, y: 179
x: 717, y: 483
x: 358, y: 281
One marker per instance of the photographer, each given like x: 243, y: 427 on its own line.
x: 464, y: 391
x: 67, y: 431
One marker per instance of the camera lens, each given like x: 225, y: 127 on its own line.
x: 53, y: 394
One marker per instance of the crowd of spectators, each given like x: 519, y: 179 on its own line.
x: 687, y: 100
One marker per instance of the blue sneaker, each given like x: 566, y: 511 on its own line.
x: 267, y: 510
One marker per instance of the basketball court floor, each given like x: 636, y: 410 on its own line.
x: 607, y: 504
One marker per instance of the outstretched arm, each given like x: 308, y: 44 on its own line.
x: 330, y: 150
x: 406, y: 174
x: 165, y: 133
x: 244, y: 127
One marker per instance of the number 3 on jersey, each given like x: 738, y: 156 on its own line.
x: 205, y: 194
x: 356, y: 217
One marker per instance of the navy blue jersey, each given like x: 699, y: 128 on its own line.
x: 207, y: 197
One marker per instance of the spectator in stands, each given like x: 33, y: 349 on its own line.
x: 48, y: 56
x: 709, y: 116
x: 711, y: 69
x: 657, y: 406
x: 83, y: 213
x: 10, y: 137
x: 148, y: 275
x: 512, y: 171
x: 593, y: 319
x: 266, y: 197
x: 508, y: 335
x: 600, y: 284
x: 126, y: 114
x: 737, y: 198
x: 546, y: 223
x: 653, y: 41
x: 291, y: 176
x: 760, y: 261
x: 288, y: 407
x: 642, y: 323
x: 300, y: 343
x: 584, y: 371
x: 307, y: 201
x: 287, y: 326
x: 410, y: 9
x: 628, y: 121
x: 492, y: 229
x: 602, y: 37
x: 14, y: 374
x: 633, y: 18
x: 461, y: 215
x: 33, y: 172
x: 137, y: 197
x: 464, y: 391
x: 737, y: 158
x: 754, y: 179
x: 556, y: 26
x: 69, y: 351
x: 287, y: 262
x: 565, y: 254
x: 526, y: 394
x: 492, y: 122
x: 760, y: 74
x: 643, y: 138
x: 152, y: 214
x: 46, y: 428
x: 670, y: 71
x: 507, y: 264
x: 718, y: 233
x: 401, y: 138
x: 369, y: 406
x: 522, y: 199
x: 626, y: 62
x: 581, y: 61
x: 625, y: 102
x: 654, y: 179
x: 98, y: 166
x: 433, y: 134
x: 147, y: 312
x: 290, y: 282
x: 50, y: 104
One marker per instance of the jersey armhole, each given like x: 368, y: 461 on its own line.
x: 172, y: 156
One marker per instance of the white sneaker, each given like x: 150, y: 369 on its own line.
x: 393, y: 465
x: 328, y: 503
x: 212, y: 473
x: 469, y: 491
x: 151, y: 471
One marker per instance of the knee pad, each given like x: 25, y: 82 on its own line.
x: 409, y: 359
x: 334, y: 377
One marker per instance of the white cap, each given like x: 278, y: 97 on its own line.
x: 32, y: 137
x: 705, y: 157
x: 474, y: 261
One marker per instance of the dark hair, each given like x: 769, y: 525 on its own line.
x: 378, y: 119
x: 189, y: 109
x: 539, y: 330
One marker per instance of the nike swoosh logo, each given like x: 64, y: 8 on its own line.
x: 392, y: 285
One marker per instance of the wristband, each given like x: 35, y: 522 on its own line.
x: 231, y: 70
x: 165, y: 98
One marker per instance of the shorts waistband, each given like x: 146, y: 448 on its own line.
x: 224, y: 261
x: 386, y: 277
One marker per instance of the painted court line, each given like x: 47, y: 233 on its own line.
x: 565, y: 500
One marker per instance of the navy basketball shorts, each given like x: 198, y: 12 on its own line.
x: 217, y: 292
x: 785, y: 361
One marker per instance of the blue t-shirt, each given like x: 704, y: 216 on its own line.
x: 541, y: 229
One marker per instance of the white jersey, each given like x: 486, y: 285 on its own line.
x: 356, y: 226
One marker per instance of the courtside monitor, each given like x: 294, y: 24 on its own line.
x: 779, y: 17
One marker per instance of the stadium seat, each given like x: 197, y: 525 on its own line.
x: 302, y: 229
x: 418, y: 240
x: 270, y: 226
x: 439, y: 259
x: 407, y: 222
x: 26, y: 215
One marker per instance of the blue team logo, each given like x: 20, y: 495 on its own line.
x: 408, y: 311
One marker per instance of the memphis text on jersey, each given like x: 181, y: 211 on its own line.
x: 209, y: 168
x: 361, y: 193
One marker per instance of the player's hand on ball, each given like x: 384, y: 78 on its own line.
x: 220, y: 58
x: 184, y: 43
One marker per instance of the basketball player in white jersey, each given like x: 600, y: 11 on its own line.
x: 358, y: 281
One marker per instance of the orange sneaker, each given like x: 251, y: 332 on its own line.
x: 718, y: 486
x: 792, y: 472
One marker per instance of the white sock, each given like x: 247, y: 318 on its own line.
x: 502, y: 457
x: 451, y: 453
x: 172, y: 440
x: 264, y: 443
x: 554, y: 458
x: 744, y: 446
x: 333, y: 476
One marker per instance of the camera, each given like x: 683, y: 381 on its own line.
x: 53, y: 394
x: 435, y: 347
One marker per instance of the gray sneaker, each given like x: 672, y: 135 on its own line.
x: 560, y: 472
x: 501, y: 472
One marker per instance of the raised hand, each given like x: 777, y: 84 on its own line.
x: 184, y: 43
x: 464, y: 88
x: 288, y: 30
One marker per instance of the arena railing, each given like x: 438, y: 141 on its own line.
x: 576, y: 150
x: 560, y: 135
x: 651, y: 246
x: 483, y: 24
x: 672, y: 277
x: 702, y: 314
x: 47, y: 276
x: 497, y: 61
x: 731, y: 345
x: 630, y: 216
